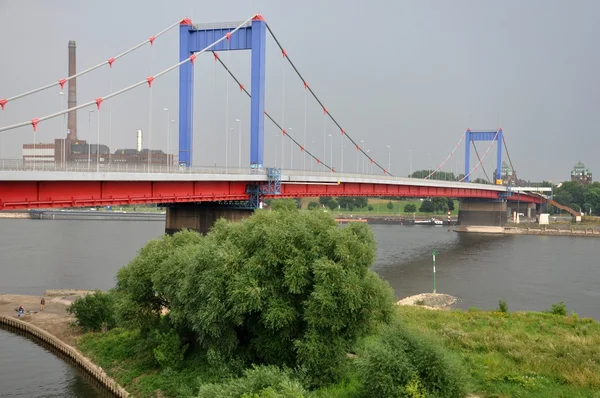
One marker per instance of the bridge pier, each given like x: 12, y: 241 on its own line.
x: 529, y: 210
x: 482, y: 212
x: 201, y: 217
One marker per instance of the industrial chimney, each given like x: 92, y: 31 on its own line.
x: 72, y: 99
x: 139, y: 140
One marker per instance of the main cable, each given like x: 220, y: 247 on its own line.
x: 449, y: 156
x: 109, y: 62
x: 148, y: 80
x: 321, y: 103
x: 285, y: 133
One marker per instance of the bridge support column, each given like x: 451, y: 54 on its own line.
x: 483, y: 213
x: 201, y: 217
x: 529, y: 210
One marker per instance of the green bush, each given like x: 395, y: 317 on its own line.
x: 313, y: 206
x: 370, y: 208
x: 390, y: 205
x: 402, y: 363
x: 502, y: 306
x: 282, y: 287
x: 95, y: 311
x: 557, y: 309
x: 257, y: 382
x: 169, y: 352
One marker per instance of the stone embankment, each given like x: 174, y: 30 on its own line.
x: 53, y: 327
x: 592, y: 232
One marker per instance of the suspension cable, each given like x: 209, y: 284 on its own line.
x: 484, y: 155
x: 109, y: 62
x: 321, y: 103
x: 148, y: 80
x: 508, y: 154
x: 285, y: 133
x: 449, y: 156
x: 482, y: 166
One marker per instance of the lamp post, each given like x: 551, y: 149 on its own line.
x: 342, y: 161
x: 331, y: 151
x: 98, y: 141
x: 64, y: 145
x: 368, y: 164
x: 389, y: 159
x: 170, y: 157
x: 239, y: 122
x: 410, y: 163
x: 89, y: 135
x: 312, y: 164
x: 357, y: 155
x: 429, y: 164
x: 168, y: 133
x: 228, y: 146
x: 291, y: 149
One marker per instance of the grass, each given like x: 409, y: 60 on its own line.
x: 518, y: 354
x: 521, y: 354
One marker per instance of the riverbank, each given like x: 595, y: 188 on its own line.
x: 547, y: 231
x: 53, y: 327
x: 84, y: 215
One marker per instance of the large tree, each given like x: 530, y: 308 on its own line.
x: 281, y: 287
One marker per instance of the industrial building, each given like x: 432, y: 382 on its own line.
x: 71, y: 150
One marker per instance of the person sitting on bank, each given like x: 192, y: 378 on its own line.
x: 21, y: 311
x: 42, y: 304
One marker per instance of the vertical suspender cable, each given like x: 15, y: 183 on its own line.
x: 215, y: 105
x: 109, y: 118
x: 98, y: 141
x: 304, y: 143
x: 324, y: 133
x: 282, y: 109
x: 150, y: 115
x: 227, y: 111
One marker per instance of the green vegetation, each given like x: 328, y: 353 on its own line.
x: 378, y: 206
x: 518, y: 354
x: 94, y: 311
x: 502, y: 306
x: 276, y: 305
x: 579, y: 197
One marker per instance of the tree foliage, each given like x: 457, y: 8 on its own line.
x: 402, y: 363
x: 313, y: 205
x: 410, y: 208
x: 94, y: 311
x: 427, y: 206
x: 282, y: 287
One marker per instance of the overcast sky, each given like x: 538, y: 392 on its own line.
x: 409, y: 74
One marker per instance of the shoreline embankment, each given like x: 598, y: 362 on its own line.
x: 52, y: 327
x: 547, y: 231
x: 83, y: 215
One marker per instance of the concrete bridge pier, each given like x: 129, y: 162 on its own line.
x: 201, y: 217
x: 529, y: 210
x: 482, y: 212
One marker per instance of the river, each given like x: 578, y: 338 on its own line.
x: 530, y: 272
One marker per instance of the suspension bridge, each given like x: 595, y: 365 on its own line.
x: 198, y: 194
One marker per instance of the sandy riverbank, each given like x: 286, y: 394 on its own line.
x: 592, y: 232
x: 53, y: 319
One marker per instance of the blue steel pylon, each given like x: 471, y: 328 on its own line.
x: 193, y: 38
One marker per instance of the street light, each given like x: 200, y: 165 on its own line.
x: 389, y: 159
x: 429, y: 164
x: 342, y: 161
x: 363, y: 159
x: 170, y: 157
x: 357, y: 155
x: 239, y: 143
x: 228, y: 146
x: 368, y: 164
x: 291, y: 149
x: 410, y: 163
x: 168, y: 133
x: 331, y: 151
x: 89, y: 135
x: 63, y: 157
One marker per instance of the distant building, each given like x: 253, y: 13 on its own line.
x: 581, y: 174
x: 508, y: 174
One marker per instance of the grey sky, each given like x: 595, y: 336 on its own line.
x: 413, y: 75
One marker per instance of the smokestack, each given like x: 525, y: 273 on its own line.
x: 139, y: 140
x: 72, y: 99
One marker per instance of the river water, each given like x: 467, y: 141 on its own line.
x: 530, y: 272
